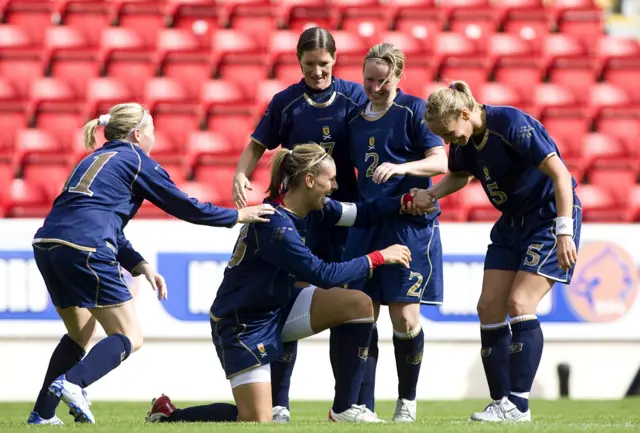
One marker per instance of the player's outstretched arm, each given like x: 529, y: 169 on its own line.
x: 280, y: 244
x: 371, y: 212
x: 154, y: 184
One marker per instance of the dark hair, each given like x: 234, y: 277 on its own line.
x: 289, y: 167
x: 316, y: 38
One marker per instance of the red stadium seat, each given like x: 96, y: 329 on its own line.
x: 616, y: 181
x: 13, y: 116
x: 515, y: 62
x: 575, y: 74
x: 126, y: 55
x: 186, y: 57
x: 174, y: 109
x: 298, y: 16
x: 254, y: 19
x: 211, y: 148
x: 69, y: 56
x: 421, y: 20
x: 26, y: 201
x: 146, y: 17
x: 367, y: 20
x: 532, y: 23
x: 102, y: 93
x: 32, y: 16
x: 599, y: 205
x: 460, y: 58
x: 219, y: 178
x: 39, y: 145
x: 20, y: 61
x: 202, y: 17
x: 55, y: 105
x: 499, y: 94
x: 634, y: 204
x: 239, y: 58
x: 6, y: 178
x: 579, y: 19
x: 50, y: 178
x: 549, y: 95
x: 86, y: 16
x: 223, y: 92
x: 606, y: 152
x: 282, y: 47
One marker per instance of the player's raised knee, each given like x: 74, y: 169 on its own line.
x: 357, y: 306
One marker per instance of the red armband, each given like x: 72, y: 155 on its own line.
x: 376, y: 259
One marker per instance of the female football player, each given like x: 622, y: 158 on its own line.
x: 533, y: 244
x: 258, y: 307
x: 315, y: 110
x: 394, y: 152
x: 81, y: 246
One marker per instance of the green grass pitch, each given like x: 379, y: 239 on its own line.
x: 309, y: 417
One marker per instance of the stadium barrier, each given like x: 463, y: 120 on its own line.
x: 590, y: 326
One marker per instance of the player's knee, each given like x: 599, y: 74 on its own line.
x: 136, y: 341
x: 357, y: 306
x: 404, y: 317
x: 520, y: 304
x: 255, y: 415
x: 491, y: 311
x: 81, y: 337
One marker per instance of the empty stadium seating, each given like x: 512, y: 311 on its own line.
x: 206, y: 69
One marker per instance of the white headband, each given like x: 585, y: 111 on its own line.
x: 104, y: 119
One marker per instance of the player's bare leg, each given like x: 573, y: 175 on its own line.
x: 408, y: 342
x: 254, y: 402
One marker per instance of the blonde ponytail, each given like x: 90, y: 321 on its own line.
x: 445, y: 104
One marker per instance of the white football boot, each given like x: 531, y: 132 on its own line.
x: 281, y: 414
x: 502, y: 411
x: 74, y: 397
x: 405, y: 411
x: 356, y: 413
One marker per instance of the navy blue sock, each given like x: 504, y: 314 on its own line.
x: 353, y: 340
x: 334, y: 351
x: 66, y: 354
x: 216, y: 412
x: 281, y: 371
x: 368, y: 388
x: 525, y: 353
x: 496, y: 339
x: 408, y: 350
x: 104, y: 357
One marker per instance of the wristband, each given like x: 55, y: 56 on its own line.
x: 376, y: 259
x: 564, y: 226
x: 407, y: 199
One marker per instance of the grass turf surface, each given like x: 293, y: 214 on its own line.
x: 442, y: 417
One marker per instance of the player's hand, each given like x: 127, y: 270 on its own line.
x: 424, y: 200
x: 255, y: 214
x: 155, y: 279
x: 396, y: 254
x: 384, y: 172
x: 567, y: 253
x: 240, y: 184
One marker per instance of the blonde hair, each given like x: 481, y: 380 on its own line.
x: 121, y: 121
x: 289, y: 167
x: 387, y: 54
x: 446, y: 104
